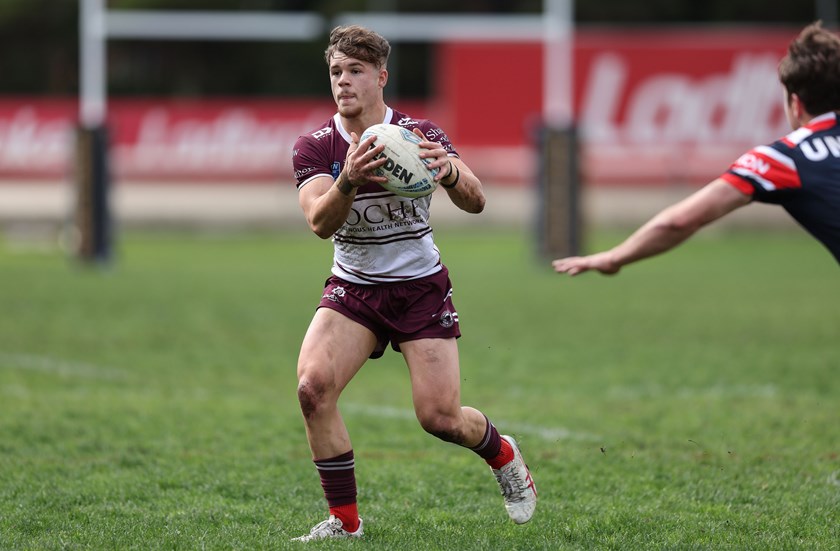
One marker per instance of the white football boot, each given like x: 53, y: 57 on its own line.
x: 330, y: 528
x: 517, y: 486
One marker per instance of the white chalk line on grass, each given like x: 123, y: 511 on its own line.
x: 47, y: 364
x: 549, y: 434
x: 719, y: 391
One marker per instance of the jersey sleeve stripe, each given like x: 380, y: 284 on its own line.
x: 767, y: 169
x: 797, y: 136
x: 776, y: 155
x: 751, y: 176
x: 319, y: 175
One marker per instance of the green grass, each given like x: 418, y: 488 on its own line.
x: 692, y: 402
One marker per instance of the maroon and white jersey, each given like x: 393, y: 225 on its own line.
x: 386, y: 237
x: 800, y: 172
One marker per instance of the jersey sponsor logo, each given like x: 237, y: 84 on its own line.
x: 381, y: 213
x: 753, y: 163
x: 335, y: 169
x: 303, y: 172
x: 820, y: 148
x: 435, y: 133
x: 318, y: 134
x: 406, y: 121
x: 767, y: 168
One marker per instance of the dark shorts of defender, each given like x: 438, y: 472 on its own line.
x: 397, y: 312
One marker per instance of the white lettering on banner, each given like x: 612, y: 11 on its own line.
x: 27, y: 141
x: 743, y: 105
x: 234, y: 141
x: 601, y: 98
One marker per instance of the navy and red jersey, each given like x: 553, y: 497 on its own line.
x: 800, y: 172
x: 386, y: 238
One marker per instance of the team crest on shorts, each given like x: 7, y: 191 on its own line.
x: 448, y: 319
x: 335, y: 294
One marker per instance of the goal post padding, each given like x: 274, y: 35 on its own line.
x: 92, y: 219
x: 559, y: 218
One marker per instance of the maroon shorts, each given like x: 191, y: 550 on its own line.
x: 397, y: 312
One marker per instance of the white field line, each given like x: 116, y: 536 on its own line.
x: 716, y: 392
x: 549, y: 434
x: 46, y: 364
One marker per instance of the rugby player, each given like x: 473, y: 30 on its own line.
x: 388, y: 285
x: 800, y: 172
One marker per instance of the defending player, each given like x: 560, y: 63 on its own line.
x: 801, y: 171
x: 388, y: 285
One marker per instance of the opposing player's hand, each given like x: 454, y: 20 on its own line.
x: 361, y: 162
x: 574, y: 265
x: 436, y: 154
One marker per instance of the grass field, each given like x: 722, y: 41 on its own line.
x: 692, y: 402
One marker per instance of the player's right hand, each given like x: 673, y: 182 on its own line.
x: 361, y: 161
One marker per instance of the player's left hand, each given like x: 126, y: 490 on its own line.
x: 437, y: 154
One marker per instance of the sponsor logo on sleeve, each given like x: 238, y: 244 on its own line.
x: 303, y: 172
x: 435, y: 133
x: 318, y: 134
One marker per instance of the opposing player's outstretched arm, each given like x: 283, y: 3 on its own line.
x: 326, y: 203
x: 663, y: 232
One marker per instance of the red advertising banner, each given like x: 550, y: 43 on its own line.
x: 677, y: 105
x: 652, y: 106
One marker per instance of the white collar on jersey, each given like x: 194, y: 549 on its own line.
x: 389, y: 114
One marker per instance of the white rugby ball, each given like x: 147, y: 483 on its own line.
x: 407, y: 173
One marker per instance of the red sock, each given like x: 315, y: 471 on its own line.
x: 504, y: 457
x: 348, y: 514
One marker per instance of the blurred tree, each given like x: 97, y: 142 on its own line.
x: 38, y: 38
x: 686, y: 11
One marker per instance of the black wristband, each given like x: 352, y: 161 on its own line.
x: 344, y: 186
x: 457, y: 177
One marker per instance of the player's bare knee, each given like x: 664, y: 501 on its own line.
x: 443, y: 427
x: 312, y: 394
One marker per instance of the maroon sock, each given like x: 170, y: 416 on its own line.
x: 338, y: 479
x: 490, y: 445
